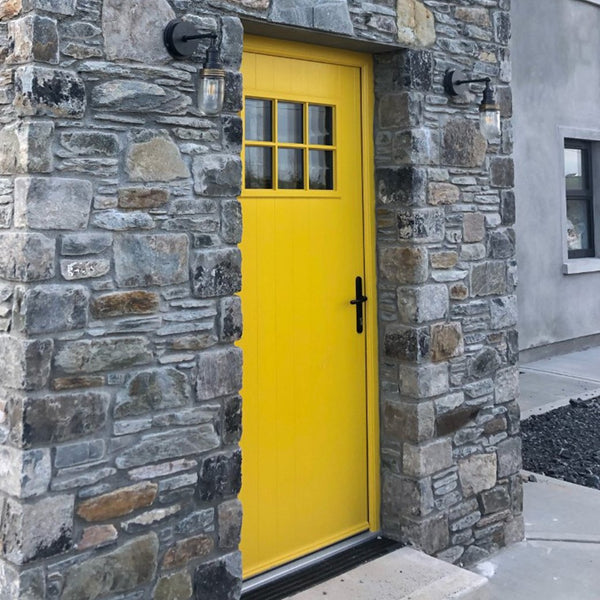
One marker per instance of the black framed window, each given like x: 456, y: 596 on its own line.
x: 580, y: 198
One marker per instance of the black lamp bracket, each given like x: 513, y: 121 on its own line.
x: 182, y: 38
x: 456, y: 82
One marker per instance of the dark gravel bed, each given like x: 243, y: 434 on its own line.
x: 565, y: 443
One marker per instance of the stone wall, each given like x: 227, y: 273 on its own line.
x: 447, y: 275
x: 120, y: 414
x: 119, y: 411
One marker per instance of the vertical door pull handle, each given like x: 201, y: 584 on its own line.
x: 358, y: 301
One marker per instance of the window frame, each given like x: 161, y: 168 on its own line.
x: 577, y: 266
x: 586, y: 194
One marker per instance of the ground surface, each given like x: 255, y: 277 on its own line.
x: 565, y: 443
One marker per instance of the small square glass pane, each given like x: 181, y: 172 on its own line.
x: 321, y: 169
x: 259, y: 168
x: 291, y: 169
x: 575, y: 169
x: 578, y: 225
x: 290, y: 122
x: 259, y: 120
x: 320, y: 125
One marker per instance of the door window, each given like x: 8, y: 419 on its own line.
x: 294, y: 140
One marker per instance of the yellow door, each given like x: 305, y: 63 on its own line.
x: 305, y: 417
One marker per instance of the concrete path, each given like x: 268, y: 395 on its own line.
x: 560, y: 559
x: 405, y: 574
x: 551, y: 382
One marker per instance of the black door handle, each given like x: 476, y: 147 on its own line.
x: 358, y: 302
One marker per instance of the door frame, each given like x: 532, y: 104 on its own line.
x: 364, y: 62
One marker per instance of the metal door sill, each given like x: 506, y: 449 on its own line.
x: 306, y: 572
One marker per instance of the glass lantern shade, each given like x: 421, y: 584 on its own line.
x: 489, y: 122
x: 211, y: 91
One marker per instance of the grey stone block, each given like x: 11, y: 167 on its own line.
x: 423, y: 381
x: 26, y: 147
x: 51, y: 92
x: 219, y: 373
x: 477, y: 473
x: 90, y: 143
x: 24, y: 473
x: 33, y: 38
x: 488, y: 278
x: 509, y: 457
x: 26, y: 256
x: 427, y: 459
x: 164, y: 446
x: 51, y: 308
x: 122, y: 570
x: 153, y: 390
x: 115, y: 220
x: 216, y: 272
x: 333, y: 15
x: 138, y: 96
x: 55, y: 203
x: 142, y: 260
x: 36, y: 530
x: 26, y: 363
x: 91, y: 356
x: 71, y: 455
x: 219, y: 579
x: 78, y: 244
x: 422, y: 304
x: 217, y: 175
x: 136, y: 33
x: 64, y: 417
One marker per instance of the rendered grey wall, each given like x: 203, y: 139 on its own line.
x: 556, y: 82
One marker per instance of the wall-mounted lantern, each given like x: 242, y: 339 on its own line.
x: 182, y: 39
x: 456, y: 83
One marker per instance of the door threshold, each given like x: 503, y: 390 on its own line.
x: 306, y: 572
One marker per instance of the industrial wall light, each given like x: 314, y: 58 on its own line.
x: 182, y: 39
x: 456, y: 83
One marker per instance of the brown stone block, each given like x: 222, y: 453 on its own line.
x: 182, y: 552
x: 453, y: 421
x: 404, y: 265
x: 125, y: 303
x: 443, y: 260
x: 10, y: 8
x: 118, y: 503
x: 443, y: 193
x: 459, y: 291
x: 446, y: 341
x: 473, y: 227
x: 143, y: 198
x: 70, y: 383
x: 97, y: 535
x: 463, y: 146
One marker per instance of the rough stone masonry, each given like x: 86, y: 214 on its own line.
x: 119, y: 268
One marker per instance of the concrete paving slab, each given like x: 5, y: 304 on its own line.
x: 560, y: 558
x: 405, y: 574
x: 583, y: 365
x: 544, y: 570
x: 539, y: 389
x: 561, y: 511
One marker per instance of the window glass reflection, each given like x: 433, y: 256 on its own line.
x: 320, y: 124
x: 259, y: 168
x: 259, y: 120
x: 291, y: 169
x: 578, y: 225
x: 321, y: 169
x: 289, y: 123
x: 574, y: 168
